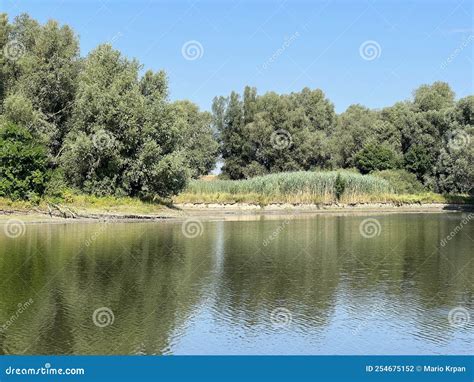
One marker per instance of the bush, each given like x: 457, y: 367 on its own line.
x: 57, y: 184
x: 375, y: 157
x: 419, y: 160
x: 339, y: 186
x: 23, y: 164
x: 403, y: 182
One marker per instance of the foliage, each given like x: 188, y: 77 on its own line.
x: 412, y: 135
x: 302, y: 186
x: 272, y: 133
x: 375, y: 157
x: 454, y: 168
x: 196, y: 138
x: 44, y: 76
x: 402, y: 181
x: 108, y: 130
x: 433, y: 97
x: 23, y: 164
x: 339, y: 186
x: 126, y: 139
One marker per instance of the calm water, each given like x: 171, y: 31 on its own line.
x: 312, y: 285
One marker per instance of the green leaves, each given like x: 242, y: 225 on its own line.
x: 23, y: 164
x: 272, y: 133
x: 375, y: 157
x: 126, y: 139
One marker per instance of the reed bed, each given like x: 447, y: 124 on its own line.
x: 290, y: 187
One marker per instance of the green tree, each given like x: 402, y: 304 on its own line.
x: 375, y: 157
x: 126, y: 138
x: 45, y: 75
x: 339, y: 186
x: 354, y: 128
x: 454, y: 170
x: 272, y: 133
x: 23, y: 163
x: 106, y: 150
x: 433, y: 97
x: 196, y: 138
x: 419, y: 160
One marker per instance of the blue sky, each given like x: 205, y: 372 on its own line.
x: 369, y: 52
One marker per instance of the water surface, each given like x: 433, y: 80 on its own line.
x: 308, y: 285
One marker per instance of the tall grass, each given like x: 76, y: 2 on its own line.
x: 292, y: 187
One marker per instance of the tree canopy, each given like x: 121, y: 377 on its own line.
x: 101, y: 124
x: 429, y: 136
x: 106, y: 127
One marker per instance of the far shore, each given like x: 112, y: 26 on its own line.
x: 231, y: 211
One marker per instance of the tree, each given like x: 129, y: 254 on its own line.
x: 354, y: 128
x: 433, y: 97
x: 464, y: 111
x: 272, y: 133
x: 453, y: 169
x: 23, y: 163
x: 4, y: 32
x: 339, y: 186
x: 196, y: 138
x: 419, y: 160
x: 375, y: 157
x: 117, y: 145
x: 45, y: 75
x: 230, y: 135
x: 126, y: 138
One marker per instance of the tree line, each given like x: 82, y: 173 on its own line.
x: 101, y: 125
x: 429, y: 136
x: 93, y: 123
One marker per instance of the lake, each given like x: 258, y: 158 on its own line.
x: 324, y: 284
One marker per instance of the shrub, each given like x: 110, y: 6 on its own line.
x: 339, y: 186
x: 23, y: 163
x: 403, y: 182
x: 375, y: 157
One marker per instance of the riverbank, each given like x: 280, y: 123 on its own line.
x: 213, y: 211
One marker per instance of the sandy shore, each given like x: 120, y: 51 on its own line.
x: 236, y: 211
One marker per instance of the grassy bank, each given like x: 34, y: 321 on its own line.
x: 325, y: 188
x: 307, y: 188
x: 77, y: 205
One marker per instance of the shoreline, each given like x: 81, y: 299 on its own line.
x: 231, y: 211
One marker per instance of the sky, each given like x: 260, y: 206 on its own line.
x: 374, y: 53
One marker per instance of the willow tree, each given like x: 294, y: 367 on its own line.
x: 126, y: 138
